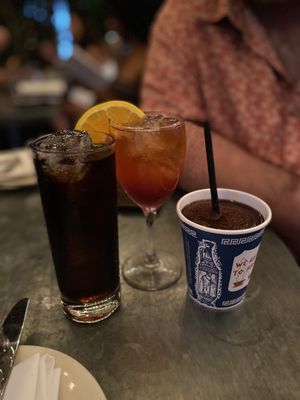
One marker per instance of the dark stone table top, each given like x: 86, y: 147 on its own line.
x: 160, y: 345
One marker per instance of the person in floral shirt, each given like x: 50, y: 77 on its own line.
x: 235, y: 64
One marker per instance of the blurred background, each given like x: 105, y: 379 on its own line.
x: 59, y: 57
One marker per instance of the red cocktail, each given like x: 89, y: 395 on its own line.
x: 149, y: 159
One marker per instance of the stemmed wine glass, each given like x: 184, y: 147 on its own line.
x: 149, y: 160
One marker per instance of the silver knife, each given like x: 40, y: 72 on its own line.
x: 10, y: 335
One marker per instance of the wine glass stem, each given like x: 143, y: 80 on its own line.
x: 151, y: 259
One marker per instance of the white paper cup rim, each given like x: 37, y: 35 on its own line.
x: 225, y: 194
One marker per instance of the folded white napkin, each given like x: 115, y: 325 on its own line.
x: 16, y: 167
x: 35, y: 378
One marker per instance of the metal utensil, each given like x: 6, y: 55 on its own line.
x: 10, y: 335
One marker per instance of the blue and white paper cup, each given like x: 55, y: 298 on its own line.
x: 219, y: 262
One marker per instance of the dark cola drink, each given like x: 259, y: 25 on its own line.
x: 78, y: 191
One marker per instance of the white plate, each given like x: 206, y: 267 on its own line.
x: 76, y: 381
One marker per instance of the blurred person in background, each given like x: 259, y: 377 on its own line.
x: 236, y: 64
x: 132, y: 20
x: 86, y: 36
x: 127, y: 27
x: 80, y: 95
x: 83, y: 36
x: 5, y: 44
x: 5, y: 40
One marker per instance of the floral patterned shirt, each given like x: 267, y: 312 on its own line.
x: 212, y: 60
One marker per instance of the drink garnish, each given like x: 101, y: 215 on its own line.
x: 97, y: 117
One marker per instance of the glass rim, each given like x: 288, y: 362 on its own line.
x: 96, y: 147
x: 138, y: 128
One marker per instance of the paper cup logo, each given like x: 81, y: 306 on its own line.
x: 208, y: 273
x: 220, y: 262
x: 241, y: 269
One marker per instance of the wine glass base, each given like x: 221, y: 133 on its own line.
x: 151, y: 278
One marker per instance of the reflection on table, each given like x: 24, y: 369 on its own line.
x: 160, y: 345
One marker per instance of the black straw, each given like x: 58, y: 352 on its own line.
x: 211, y: 168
